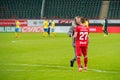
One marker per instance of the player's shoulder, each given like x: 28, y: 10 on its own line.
x: 77, y: 27
x: 84, y: 28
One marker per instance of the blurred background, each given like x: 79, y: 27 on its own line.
x: 61, y: 11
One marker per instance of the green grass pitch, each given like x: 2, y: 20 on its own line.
x: 33, y: 57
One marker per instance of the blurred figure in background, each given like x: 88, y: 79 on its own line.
x: 70, y: 34
x: 49, y: 23
x: 17, y: 28
x: 45, y: 27
x: 52, y: 28
x: 86, y: 22
x: 105, y: 26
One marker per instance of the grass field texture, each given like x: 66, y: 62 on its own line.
x: 34, y: 57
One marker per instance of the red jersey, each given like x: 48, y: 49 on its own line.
x: 82, y: 35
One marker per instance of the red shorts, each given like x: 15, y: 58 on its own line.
x: 81, y: 51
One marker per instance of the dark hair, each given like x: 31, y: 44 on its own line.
x: 86, y: 19
x: 82, y: 20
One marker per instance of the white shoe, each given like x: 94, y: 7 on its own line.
x: 80, y: 69
x: 85, y: 68
x: 105, y: 35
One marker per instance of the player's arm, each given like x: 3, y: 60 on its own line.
x: 43, y: 24
x: 19, y: 23
x: 75, y: 35
x: 53, y: 24
x: 87, y: 24
x: 103, y: 23
x: 70, y: 32
x: 71, y: 29
x: 76, y: 30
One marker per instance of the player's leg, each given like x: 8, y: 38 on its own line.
x: 16, y: 32
x: 45, y: 33
x: 103, y: 29
x: 79, y: 63
x: 74, y: 59
x: 84, y: 51
x: 16, y: 35
x: 49, y: 31
x: 106, y: 32
x: 78, y: 57
x: 52, y: 33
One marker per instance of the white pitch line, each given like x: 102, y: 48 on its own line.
x: 103, y: 71
x: 20, y: 70
x: 13, y: 41
x: 44, y: 65
x: 51, y: 66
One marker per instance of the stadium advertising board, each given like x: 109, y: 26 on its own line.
x: 61, y: 25
x: 11, y: 22
x: 62, y: 29
x: 33, y: 26
x: 35, y: 23
x: 62, y: 21
x: 111, y: 29
x: 32, y: 29
x: 8, y: 29
x: 96, y: 25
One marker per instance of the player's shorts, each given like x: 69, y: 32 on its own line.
x: 45, y: 29
x: 52, y: 30
x: 16, y: 29
x: 81, y: 51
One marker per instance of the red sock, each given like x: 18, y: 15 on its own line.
x: 79, y: 62
x: 85, y: 61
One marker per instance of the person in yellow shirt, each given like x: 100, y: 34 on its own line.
x: 45, y: 27
x: 52, y: 28
x: 86, y: 23
x: 17, y: 28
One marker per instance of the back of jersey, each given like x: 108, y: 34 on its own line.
x: 17, y: 23
x: 82, y: 35
x: 45, y: 24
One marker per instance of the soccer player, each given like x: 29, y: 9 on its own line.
x: 53, y: 28
x: 86, y: 22
x: 81, y: 41
x: 70, y: 34
x: 45, y: 26
x: 49, y: 28
x: 17, y: 27
x: 104, y: 28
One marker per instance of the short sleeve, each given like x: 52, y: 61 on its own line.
x: 76, y: 29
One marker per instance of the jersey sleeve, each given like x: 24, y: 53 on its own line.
x: 76, y: 29
x: 71, y: 31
